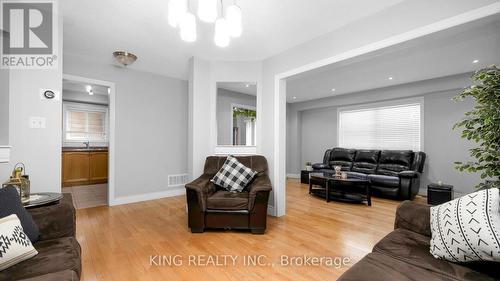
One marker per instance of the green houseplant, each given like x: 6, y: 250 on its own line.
x: 482, y: 125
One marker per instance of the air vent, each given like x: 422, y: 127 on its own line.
x: 177, y: 180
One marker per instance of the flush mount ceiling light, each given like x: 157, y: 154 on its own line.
x: 225, y: 26
x: 124, y: 58
x: 475, y: 61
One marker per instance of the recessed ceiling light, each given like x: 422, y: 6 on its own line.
x: 333, y: 90
x: 247, y: 85
x: 390, y: 78
x: 294, y: 98
x: 475, y: 61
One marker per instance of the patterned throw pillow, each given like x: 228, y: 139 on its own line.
x: 468, y: 228
x: 15, y: 246
x: 233, y: 176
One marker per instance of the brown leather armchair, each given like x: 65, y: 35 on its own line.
x: 210, y: 206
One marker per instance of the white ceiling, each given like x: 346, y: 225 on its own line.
x: 82, y: 87
x: 95, y: 29
x: 441, y: 54
x: 247, y: 88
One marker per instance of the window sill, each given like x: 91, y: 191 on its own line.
x: 4, y: 153
x: 235, y: 150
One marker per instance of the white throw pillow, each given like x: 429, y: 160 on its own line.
x: 15, y: 246
x: 468, y: 228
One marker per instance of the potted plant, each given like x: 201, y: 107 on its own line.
x: 309, y: 166
x: 482, y: 125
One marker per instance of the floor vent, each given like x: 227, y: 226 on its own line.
x: 177, y: 180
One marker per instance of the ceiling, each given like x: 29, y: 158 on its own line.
x: 82, y: 87
x: 239, y: 87
x: 92, y: 30
x: 440, y: 54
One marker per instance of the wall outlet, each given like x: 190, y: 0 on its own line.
x: 37, y: 122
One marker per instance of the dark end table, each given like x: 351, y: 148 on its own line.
x: 348, y: 190
x: 42, y: 199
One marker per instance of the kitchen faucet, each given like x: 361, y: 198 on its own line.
x: 87, y: 144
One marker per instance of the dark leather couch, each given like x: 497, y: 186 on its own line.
x: 210, y: 206
x: 404, y: 254
x: 393, y: 173
x: 59, y: 254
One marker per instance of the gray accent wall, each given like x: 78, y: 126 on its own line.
x: 151, y: 133
x: 224, y: 116
x: 317, y: 124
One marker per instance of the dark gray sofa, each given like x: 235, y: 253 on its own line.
x: 392, y: 173
x: 404, y: 255
x: 59, y: 254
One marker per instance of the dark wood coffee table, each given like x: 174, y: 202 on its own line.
x: 348, y: 190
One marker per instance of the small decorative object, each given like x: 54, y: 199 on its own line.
x: 337, y: 171
x: 309, y: 166
x: 343, y: 175
x: 124, y: 58
x: 20, y: 180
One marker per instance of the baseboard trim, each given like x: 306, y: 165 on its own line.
x: 146, y: 197
x: 293, y: 176
x: 271, y: 211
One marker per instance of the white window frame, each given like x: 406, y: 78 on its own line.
x: 67, y: 106
x: 393, y: 103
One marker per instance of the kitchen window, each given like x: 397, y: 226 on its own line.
x: 395, y: 125
x: 85, y: 122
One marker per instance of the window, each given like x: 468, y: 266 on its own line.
x: 85, y: 123
x: 389, y: 126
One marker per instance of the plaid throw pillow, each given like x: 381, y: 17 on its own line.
x: 233, y: 176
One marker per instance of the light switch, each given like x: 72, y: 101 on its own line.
x: 37, y: 122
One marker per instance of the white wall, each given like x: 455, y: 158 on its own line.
x: 225, y: 99
x: 203, y: 79
x: 75, y: 96
x: 4, y: 107
x: 38, y: 149
x: 333, y: 47
x: 151, y: 120
x: 442, y: 145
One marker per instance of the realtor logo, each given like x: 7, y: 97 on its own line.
x: 29, y: 33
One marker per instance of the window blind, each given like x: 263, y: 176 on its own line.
x: 391, y: 127
x: 84, y: 125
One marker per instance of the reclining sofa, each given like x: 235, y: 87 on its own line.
x: 392, y: 173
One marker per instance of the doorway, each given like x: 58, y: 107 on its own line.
x: 87, y: 168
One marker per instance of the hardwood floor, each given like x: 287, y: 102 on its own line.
x: 117, y: 242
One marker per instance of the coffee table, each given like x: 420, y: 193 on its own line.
x: 348, y: 190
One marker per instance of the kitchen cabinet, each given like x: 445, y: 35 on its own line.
x: 84, y: 167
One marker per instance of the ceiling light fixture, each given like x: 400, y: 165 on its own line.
x: 91, y: 93
x: 333, y: 90
x: 390, y: 78
x: 109, y: 91
x: 294, y: 98
x: 233, y: 15
x: 124, y: 58
x: 247, y: 85
x: 207, y: 10
x: 176, y: 9
x: 88, y: 88
x: 475, y: 61
x: 225, y: 27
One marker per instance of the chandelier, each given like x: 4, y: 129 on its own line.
x: 179, y: 15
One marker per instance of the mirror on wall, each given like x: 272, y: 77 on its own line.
x: 236, y: 113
